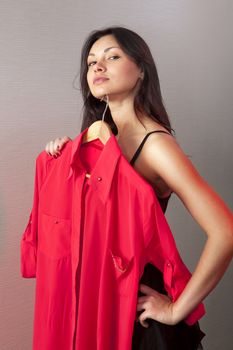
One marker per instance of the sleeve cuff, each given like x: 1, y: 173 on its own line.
x: 28, y: 260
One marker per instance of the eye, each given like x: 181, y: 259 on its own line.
x: 114, y: 57
x: 90, y: 63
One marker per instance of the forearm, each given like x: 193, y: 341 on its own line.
x: 215, y: 258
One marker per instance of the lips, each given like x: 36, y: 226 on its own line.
x: 99, y: 80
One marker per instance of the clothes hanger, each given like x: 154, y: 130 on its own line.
x: 98, y: 130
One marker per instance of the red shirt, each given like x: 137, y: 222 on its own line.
x: 87, y: 242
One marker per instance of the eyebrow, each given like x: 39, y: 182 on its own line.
x: 107, y: 49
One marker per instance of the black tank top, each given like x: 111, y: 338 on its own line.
x: 163, y: 201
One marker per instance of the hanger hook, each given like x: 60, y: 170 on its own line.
x: 103, y: 99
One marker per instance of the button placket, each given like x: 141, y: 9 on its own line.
x: 76, y: 242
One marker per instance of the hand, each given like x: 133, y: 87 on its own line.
x: 157, y: 306
x: 53, y: 147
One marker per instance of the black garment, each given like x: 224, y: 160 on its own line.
x: 163, y: 201
x: 159, y: 336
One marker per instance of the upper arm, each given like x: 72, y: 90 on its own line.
x: 167, y: 160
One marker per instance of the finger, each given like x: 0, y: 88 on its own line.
x: 140, y: 307
x: 144, y: 324
x: 142, y: 319
x: 142, y: 298
x: 47, y: 148
x: 146, y: 289
x: 65, y: 139
x: 57, y: 147
x: 51, y: 148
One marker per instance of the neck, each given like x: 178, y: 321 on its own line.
x: 124, y: 116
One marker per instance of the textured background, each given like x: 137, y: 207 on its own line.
x: 40, y: 44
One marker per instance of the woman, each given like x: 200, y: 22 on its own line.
x: 117, y: 63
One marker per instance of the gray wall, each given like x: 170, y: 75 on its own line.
x: 40, y: 44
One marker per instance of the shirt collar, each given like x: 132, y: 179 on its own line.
x: 103, y: 172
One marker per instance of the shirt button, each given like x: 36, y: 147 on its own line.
x: 168, y: 264
x: 56, y: 222
x: 99, y: 178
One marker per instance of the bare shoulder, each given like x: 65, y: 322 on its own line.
x: 163, y: 151
x: 156, y: 157
x: 161, y: 141
x: 168, y: 161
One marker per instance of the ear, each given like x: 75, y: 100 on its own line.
x: 141, y: 75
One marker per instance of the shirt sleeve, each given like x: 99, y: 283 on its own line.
x: 162, y: 252
x: 28, y: 244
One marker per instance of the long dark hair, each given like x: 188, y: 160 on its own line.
x: 148, y: 99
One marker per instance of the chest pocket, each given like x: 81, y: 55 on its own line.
x: 54, y: 236
x: 122, y: 269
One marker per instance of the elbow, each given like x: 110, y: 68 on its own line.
x: 228, y: 242
x: 229, y: 236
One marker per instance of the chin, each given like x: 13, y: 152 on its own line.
x: 99, y: 96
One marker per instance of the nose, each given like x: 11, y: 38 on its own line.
x: 99, y: 67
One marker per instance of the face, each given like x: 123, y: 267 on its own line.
x: 110, y: 70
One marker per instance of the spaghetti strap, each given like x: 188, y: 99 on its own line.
x: 136, y: 154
